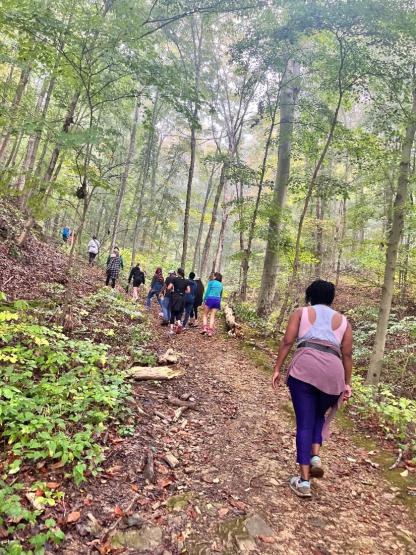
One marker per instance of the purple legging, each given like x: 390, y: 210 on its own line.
x: 310, y: 404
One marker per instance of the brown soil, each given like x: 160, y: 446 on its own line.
x: 236, y: 454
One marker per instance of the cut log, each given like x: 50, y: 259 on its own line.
x: 156, y: 373
x: 179, y: 403
x: 230, y: 319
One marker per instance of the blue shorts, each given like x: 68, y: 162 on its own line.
x: 213, y: 302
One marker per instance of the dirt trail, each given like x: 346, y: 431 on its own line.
x: 236, y: 455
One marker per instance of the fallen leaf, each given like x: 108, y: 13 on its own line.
x: 164, y: 482
x: 52, y: 485
x: 135, y: 487
x: 58, y: 464
x: 73, y: 517
x: 223, y: 511
x: 118, y: 511
x: 267, y: 539
x: 405, y: 473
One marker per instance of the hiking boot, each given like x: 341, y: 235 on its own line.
x: 316, y: 467
x: 302, y: 488
x: 210, y: 331
x: 164, y: 323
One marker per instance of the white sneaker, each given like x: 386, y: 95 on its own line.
x: 316, y: 467
x: 301, y: 488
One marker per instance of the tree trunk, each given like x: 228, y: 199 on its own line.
x: 33, y: 143
x: 197, y: 48
x: 319, y: 236
x: 124, y: 177
x: 196, y: 265
x: 68, y: 121
x: 376, y: 360
x: 288, y: 98
x: 216, y: 267
x: 245, y: 262
x: 340, y: 240
x: 23, y: 81
x: 208, y: 239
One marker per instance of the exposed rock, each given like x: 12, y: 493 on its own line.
x: 149, y: 538
x: 256, y: 526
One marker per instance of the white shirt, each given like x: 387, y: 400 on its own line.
x: 94, y: 246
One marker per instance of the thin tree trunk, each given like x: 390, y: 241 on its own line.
x: 208, y: 239
x: 376, y: 360
x: 245, y: 263
x: 197, y: 47
x: 340, y: 241
x: 288, y: 98
x: 201, y: 222
x: 216, y: 267
x: 319, y: 236
x: 124, y: 177
x: 68, y: 121
x: 23, y: 81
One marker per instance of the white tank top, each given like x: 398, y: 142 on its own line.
x: 321, y: 329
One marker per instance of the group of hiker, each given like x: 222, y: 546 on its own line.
x: 180, y: 298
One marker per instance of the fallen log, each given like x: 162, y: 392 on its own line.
x: 179, y: 403
x: 155, y: 373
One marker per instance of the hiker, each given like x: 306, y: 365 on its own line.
x: 114, y: 265
x: 179, y: 287
x: 319, y: 375
x: 93, y: 250
x: 212, y: 303
x: 166, y: 297
x: 156, y: 287
x: 66, y: 234
x: 189, y: 300
x: 137, y: 276
x: 198, y: 300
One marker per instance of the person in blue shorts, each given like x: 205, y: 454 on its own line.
x: 212, y: 303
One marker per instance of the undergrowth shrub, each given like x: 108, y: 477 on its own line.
x: 396, y: 415
x: 57, y: 396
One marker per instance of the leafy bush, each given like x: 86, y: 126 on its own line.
x: 396, y: 415
x: 56, y: 393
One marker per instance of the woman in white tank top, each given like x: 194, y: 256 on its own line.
x: 319, y: 375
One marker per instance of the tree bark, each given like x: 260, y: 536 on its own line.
x: 245, y: 263
x: 23, y: 81
x: 288, y: 98
x: 125, y: 176
x: 376, y: 360
x: 216, y: 266
x: 196, y: 265
x: 208, y: 239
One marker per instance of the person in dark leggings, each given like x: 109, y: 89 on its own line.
x: 189, y: 299
x: 198, y: 300
x: 179, y: 286
x: 114, y: 265
x: 319, y: 376
x: 156, y: 287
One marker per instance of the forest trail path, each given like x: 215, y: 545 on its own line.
x: 236, y: 453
